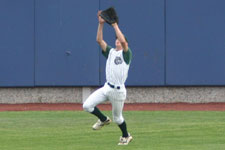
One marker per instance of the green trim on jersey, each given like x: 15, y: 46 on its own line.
x: 127, y: 56
x: 106, y: 53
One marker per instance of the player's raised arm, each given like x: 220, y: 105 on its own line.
x: 99, y: 37
x: 120, y: 37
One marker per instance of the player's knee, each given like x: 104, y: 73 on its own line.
x: 118, y: 120
x: 87, y: 107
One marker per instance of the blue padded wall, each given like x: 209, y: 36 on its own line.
x: 66, y: 49
x: 53, y: 42
x: 17, y: 43
x: 195, y: 42
x: 142, y: 22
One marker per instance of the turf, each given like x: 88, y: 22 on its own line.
x: 71, y: 130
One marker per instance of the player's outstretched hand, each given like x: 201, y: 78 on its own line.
x: 100, y: 19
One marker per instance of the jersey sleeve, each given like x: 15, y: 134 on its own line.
x: 127, y: 56
x: 106, y: 53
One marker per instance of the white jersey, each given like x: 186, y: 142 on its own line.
x: 116, y: 67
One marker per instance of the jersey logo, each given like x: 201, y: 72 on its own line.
x: 118, y: 60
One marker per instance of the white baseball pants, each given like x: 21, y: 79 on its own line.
x: 115, y: 96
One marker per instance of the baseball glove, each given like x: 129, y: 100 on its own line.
x: 110, y: 16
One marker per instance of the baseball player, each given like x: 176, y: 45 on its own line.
x: 117, y: 66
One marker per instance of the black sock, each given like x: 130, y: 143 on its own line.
x: 123, y: 128
x: 98, y: 113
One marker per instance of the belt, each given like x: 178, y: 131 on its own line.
x: 113, y: 86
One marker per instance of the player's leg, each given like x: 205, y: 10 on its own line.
x: 117, y: 110
x: 90, y: 106
x: 117, y: 107
x: 92, y: 101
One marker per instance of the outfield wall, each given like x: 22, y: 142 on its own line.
x: 48, y: 50
x: 134, y: 94
x: 52, y: 42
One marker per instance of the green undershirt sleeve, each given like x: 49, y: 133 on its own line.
x: 106, y: 53
x: 127, y: 56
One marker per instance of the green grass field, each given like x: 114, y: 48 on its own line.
x: 67, y: 130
